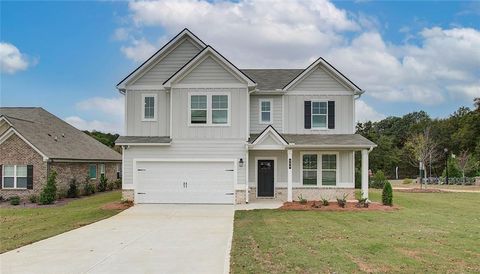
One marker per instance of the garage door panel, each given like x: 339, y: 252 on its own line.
x: 185, y: 182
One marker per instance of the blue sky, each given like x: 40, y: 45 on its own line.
x: 68, y: 56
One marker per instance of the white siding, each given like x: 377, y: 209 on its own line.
x: 134, y: 124
x: 180, y: 114
x: 319, y: 80
x: 184, y: 150
x: 294, y: 114
x: 209, y: 71
x: 168, y: 65
x: 255, y: 126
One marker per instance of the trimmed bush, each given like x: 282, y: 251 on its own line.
x: 111, y: 186
x: 72, y: 189
x: 325, y: 202
x: 88, y: 188
x: 33, y: 198
x: 14, y: 200
x: 118, y: 184
x: 102, y: 184
x: 387, y: 194
x: 49, y: 191
x: 378, y: 180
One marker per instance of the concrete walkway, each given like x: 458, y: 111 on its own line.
x: 142, y: 239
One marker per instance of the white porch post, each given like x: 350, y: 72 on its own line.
x: 365, y: 173
x: 289, y: 183
x: 246, y: 176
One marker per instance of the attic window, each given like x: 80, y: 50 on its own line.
x: 149, y: 112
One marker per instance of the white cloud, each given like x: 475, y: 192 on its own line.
x: 109, y: 113
x: 11, y: 59
x: 364, y: 112
x: 120, y: 34
x: 92, y: 124
x: 441, y: 65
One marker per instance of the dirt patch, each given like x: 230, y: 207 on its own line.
x: 419, y: 190
x: 118, y: 205
x: 333, y: 206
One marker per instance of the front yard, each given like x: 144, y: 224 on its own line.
x: 432, y: 232
x: 22, y: 226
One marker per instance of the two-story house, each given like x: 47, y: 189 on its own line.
x: 201, y: 130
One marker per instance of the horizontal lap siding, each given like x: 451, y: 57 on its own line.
x: 184, y: 150
x: 255, y: 126
x: 134, y: 124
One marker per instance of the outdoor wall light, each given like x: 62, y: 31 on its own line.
x: 240, y: 163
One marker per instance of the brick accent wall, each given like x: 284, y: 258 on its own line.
x: 14, y: 151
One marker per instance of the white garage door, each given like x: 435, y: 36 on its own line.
x: 185, y: 182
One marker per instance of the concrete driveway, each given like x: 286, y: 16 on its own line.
x: 142, y: 239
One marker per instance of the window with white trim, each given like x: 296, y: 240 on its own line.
x: 319, y: 114
x: 265, y: 111
x: 329, y: 169
x: 309, y: 171
x: 198, y: 109
x: 14, y: 176
x: 319, y: 169
x: 219, y: 109
x: 102, y: 169
x: 149, y: 112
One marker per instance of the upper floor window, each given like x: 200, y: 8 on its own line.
x: 265, y: 111
x: 149, y: 112
x: 319, y: 114
x: 209, y: 109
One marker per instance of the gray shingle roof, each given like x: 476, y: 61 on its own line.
x: 56, y: 138
x: 327, y: 140
x: 143, y: 139
x: 272, y: 79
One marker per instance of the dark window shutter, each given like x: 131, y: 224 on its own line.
x: 308, y: 114
x: 331, y: 114
x: 29, y: 177
x: 1, y: 177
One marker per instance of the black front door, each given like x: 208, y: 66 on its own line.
x: 265, y: 178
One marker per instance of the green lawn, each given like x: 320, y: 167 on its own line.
x: 431, y: 233
x: 22, y: 226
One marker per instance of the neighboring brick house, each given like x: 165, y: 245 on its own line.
x: 34, y: 142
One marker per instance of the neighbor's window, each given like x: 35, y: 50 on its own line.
x: 219, y: 109
x: 319, y: 114
x: 14, y: 176
x: 119, y: 171
x: 329, y: 169
x: 309, y: 169
x: 149, y: 107
x: 102, y: 169
x: 198, y: 109
x: 92, y: 171
x: 265, y: 111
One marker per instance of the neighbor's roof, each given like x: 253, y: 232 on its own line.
x: 54, y: 137
x: 272, y: 79
x: 325, y: 140
x: 143, y: 140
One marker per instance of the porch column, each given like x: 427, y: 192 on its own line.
x: 289, y: 170
x: 365, y: 173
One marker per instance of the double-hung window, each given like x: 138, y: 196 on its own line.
x: 265, y: 111
x: 209, y: 109
x: 149, y: 112
x: 14, y: 176
x: 92, y: 171
x: 219, y: 109
x: 319, y: 114
x: 102, y: 169
x: 329, y: 169
x: 309, y: 162
x: 319, y: 169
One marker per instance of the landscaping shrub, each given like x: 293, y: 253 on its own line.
x: 118, y: 184
x: 325, y: 202
x: 62, y: 193
x: 72, y: 189
x: 111, y: 186
x: 88, y: 188
x: 407, y: 181
x: 387, y: 194
x: 102, y: 185
x: 33, y: 198
x: 14, y: 200
x: 302, y: 200
x: 378, y: 180
x: 342, y: 202
x: 49, y: 191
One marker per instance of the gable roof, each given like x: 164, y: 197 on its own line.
x: 272, y: 79
x: 331, y: 69
x: 269, y: 130
x: 185, y: 32
x: 55, y: 138
x: 208, y: 50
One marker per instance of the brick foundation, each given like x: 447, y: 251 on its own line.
x: 127, y: 194
x: 307, y: 193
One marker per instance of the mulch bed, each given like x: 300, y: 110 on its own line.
x: 333, y: 206
x: 118, y: 205
x: 27, y: 204
x: 419, y: 190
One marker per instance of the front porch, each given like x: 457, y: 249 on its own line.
x: 315, y: 167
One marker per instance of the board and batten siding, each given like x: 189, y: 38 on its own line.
x: 255, y: 125
x: 184, y: 150
x: 180, y: 116
x: 134, y: 124
x: 345, y: 165
x: 209, y: 71
x: 168, y: 65
x: 294, y: 114
x: 319, y: 80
